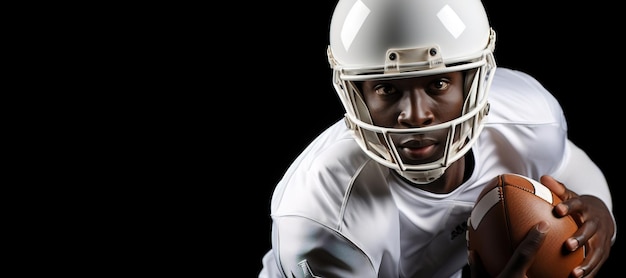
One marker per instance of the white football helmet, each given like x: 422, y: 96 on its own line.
x: 388, y: 39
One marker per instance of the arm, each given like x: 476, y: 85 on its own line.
x: 306, y: 249
x: 588, y: 200
x: 583, y: 176
x: 586, y: 197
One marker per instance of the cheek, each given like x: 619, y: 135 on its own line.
x: 451, y: 112
x: 451, y: 108
x: 382, y: 114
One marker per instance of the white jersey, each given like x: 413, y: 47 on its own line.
x: 338, y: 213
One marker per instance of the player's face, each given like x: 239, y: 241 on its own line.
x: 414, y: 103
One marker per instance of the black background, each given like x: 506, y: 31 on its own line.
x: 568, y: 48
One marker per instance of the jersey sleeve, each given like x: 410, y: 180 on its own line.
x: 308, y: 249
x: 526, y: 127
x: 318, y: 228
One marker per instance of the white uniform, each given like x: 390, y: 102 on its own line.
x: 338, y: 213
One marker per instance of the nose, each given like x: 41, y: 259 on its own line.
x: 416, y: 110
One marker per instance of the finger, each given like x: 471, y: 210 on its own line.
x: 560, y: 190
x: 524, y: 254
x: 597, y: 249
x: 582, y: 235
x: 555, y: 186
x: 567, y: 197
x: 593, y: 259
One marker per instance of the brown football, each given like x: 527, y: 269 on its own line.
x: 506, y: 209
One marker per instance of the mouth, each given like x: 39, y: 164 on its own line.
x: 417, y: 150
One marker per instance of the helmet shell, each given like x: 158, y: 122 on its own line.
x: 362, y: 31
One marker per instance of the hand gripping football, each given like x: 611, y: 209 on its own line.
x: 506, y: 209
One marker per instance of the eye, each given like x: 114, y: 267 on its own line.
x: 384, y: 89
x: 440, y: 85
